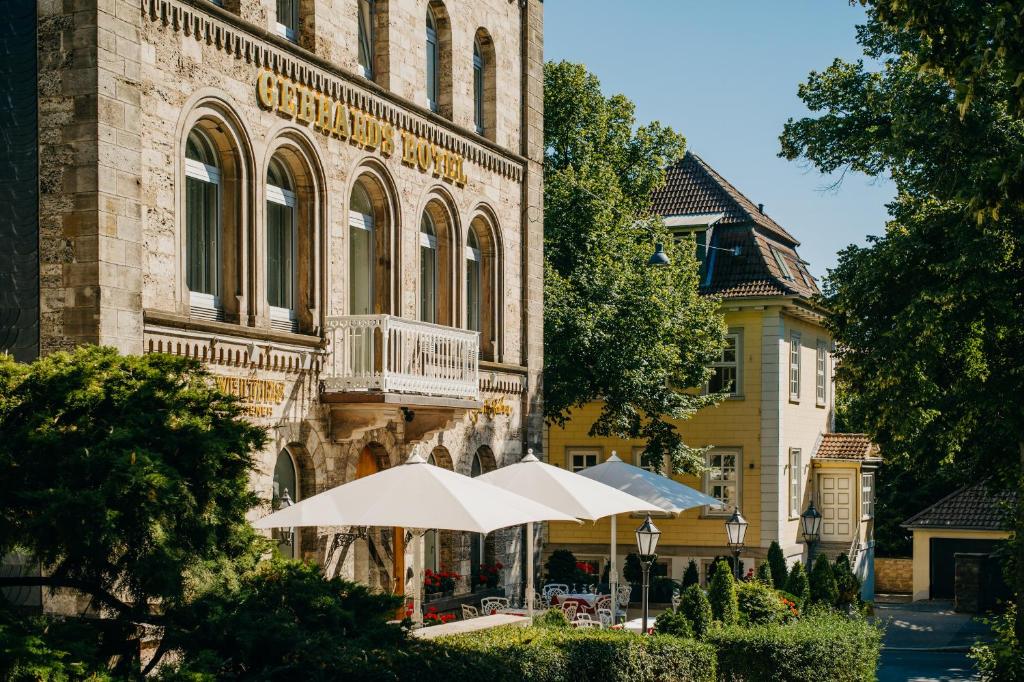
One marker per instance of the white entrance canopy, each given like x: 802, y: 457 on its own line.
x: 565, y: 491
x: 416, y: 496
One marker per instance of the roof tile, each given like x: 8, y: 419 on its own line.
x: 973, y: 507
x: 847, y: 446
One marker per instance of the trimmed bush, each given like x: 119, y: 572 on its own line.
x: 777, y: 563
x: 798, y: 585
x: 764, y: 574
x: 692, y: 574
x: 553, y: 618
x: 846, y: 582
x: 820, y: 647
x: 550, y: 655
x: 697, y: 609
x: 823, y: 582
x: 673, y: 623
x: 561, y: 567
x: 722, y: 595
x: 759, y: 604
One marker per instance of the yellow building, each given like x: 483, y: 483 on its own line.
x: 771, y: 443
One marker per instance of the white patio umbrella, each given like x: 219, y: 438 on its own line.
x: 416, y: 496
x: 661, y: 491
x: 567, y: 492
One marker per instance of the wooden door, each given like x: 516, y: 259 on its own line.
x: 370, y: 463
x: 836, y: 501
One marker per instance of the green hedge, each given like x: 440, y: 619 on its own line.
x: 818, y: 648
x: 552, y: 654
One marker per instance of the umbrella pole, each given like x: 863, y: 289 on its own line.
x: 613, y: 576
x: 417, y: 577
x: 529, y: 570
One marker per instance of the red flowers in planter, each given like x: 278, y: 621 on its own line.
x: 439, y: 581
x: 489, y: 573
x: 432, y: 617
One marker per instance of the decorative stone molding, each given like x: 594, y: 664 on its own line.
x: 242, y: 44
x: 232, y: 352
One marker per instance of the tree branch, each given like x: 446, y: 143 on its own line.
x: 98, y: 593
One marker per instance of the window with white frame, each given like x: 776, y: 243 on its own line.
x: 428, y: 269
x: 287, y: 23
x: 867, y: 495
x: 725, y: 372
x: 796, y: 477
x: 580, y: 458
x: 433, y: 64
x: 794, y: 366
x: 780, y: 261
x: 281, y: 247
x: 478, y: 88
x: 821, y: 373
x: 360, y: 252
x: 366, y: 37
x: 202, y: 222
x: 638, y: 460
x: 722, y: 480
x: 473, y: 303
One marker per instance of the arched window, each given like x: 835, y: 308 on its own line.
x: 473, y: 302
x: 433, y: 64
x: 360, y: 252
x: 478, y: 88
x: 202, y: 224
x: 367, y: 9
x: 282, y: 247
x: 428, y: 269
x: 285, y: 492
x: 481, y: 545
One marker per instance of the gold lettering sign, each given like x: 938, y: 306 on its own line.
x: 492, y: 408
x: 342, y: 121
x: 258, y: 396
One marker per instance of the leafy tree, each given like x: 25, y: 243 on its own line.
x: 697, y: 609
x: 722, y: 595
x: 127, y: 477
x: 692, y: 574
x: 777, y: 564
x: 823, y: 582
x: 797, y: 583
x: 561, y: 567
x: 928, y: 317
x: 615, y: 329
x: 764, y: 574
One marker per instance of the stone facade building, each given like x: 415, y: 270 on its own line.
x: 335, y: 205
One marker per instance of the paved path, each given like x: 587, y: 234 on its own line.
x: 927, y: 642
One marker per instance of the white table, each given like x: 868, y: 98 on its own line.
x: 586, y: 597
x: 458, y: 627
x: 637, y: 624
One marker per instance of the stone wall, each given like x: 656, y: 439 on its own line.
x: 894, y: 576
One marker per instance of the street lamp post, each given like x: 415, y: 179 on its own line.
x: 736, y: 530
x: 810, y: 526
x: 647, y: 536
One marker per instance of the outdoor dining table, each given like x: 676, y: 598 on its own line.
x: 586, y: 600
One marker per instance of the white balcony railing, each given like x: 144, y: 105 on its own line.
x: 393, y: 354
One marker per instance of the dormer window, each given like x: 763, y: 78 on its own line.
x: 780, y: 261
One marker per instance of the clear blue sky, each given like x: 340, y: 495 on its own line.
x: 725, y: 75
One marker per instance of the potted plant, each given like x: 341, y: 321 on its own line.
x: 488, y: 574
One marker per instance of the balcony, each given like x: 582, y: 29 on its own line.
x: 382, y: 368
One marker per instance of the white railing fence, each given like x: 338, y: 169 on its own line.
x: 393, y: 354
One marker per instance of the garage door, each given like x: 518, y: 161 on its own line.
x: 942, y: 568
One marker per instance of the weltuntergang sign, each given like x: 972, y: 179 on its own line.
x: 343, y: 121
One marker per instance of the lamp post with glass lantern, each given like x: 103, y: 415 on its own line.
x: 810, y: 527
x: 647, y: 536
x: 736, y: 531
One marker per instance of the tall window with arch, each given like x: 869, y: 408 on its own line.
x: 433, y: 54
x: 285, y: 492
x: 428, y: 269
x: 202, y: 223
x: 482, y: 285
x: 360, y: 252
x: 478, y: 87
x: 367, y: 10
x: 474, y: 258
x: 282, y: 246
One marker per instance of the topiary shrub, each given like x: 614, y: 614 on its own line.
x: 825, y: 646
x: 632, y: 571
x: 846, y: 582
x: 764, y: 574
x: 692, y: 574
x: 552, y: 618
x: 722, y: 595
x: 561, y: 567
x: 777, y: 563
x: 697, y: 609
x: 823, y: 582
x: 798, y: 585
x: 759, y: 604
x: 673, y: 623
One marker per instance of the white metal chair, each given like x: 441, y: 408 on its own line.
x: 538, y: 602
x: 605, y: 617
x: 469, y: 612
x: 623, y: 595
x: 583, y: 620
x: 569, y: 609
x: 603, y: 602
x: 677, y: 599
x: 491, y: 605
